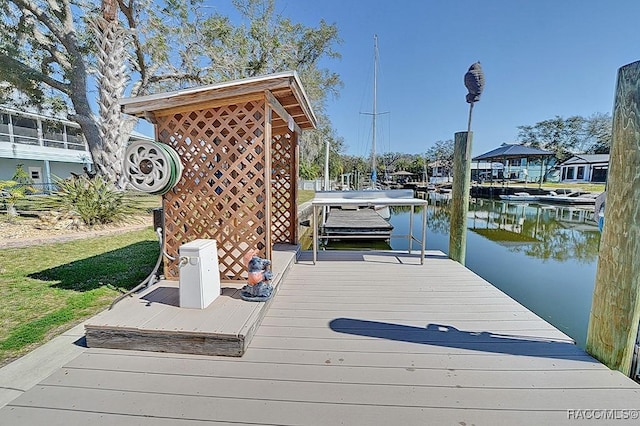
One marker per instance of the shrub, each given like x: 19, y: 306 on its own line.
x: 15, y: 189
x: 95, y: 200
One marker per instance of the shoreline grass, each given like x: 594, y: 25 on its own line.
x: 48, y: 289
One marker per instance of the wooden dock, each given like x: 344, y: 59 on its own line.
x: 153, y: 320
x: 358, y: 222
x: 359, y: 338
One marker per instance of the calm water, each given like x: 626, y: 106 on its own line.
x: 543, y: 256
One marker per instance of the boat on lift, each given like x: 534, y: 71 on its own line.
x: 568, y: 196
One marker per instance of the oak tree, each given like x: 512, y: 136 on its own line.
x: 54, y: 52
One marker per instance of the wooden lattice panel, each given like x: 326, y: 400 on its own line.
x: 222, y: 193
x: 284, y: 210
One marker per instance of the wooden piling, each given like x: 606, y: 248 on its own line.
x: 615, y: 312
x: 460, y: 196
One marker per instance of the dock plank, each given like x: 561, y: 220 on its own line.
x: 430, y: 376
x: 364, y: 221
x: 519, y: 329
x: 293, y: 314
x: 254, y: 411
x: 502, y: 395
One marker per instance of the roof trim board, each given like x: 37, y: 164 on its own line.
x: 286, y: 87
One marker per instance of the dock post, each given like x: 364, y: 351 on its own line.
x: 410, y: 239
x: 314, y: 221
x: 460, y: 196
x: 615, y: 311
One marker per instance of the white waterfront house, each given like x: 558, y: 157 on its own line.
x: 585, y: 168
x: 45, y: 146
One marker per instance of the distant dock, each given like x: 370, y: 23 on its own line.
x: 357, y: 222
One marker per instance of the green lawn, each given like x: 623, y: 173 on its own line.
x: 590, y: 187
x: 47, y: 289
x: 305, y: 195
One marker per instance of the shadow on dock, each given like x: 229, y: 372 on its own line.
x: 451, y: 337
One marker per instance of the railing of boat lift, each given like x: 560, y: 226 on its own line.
x: 409, y: 202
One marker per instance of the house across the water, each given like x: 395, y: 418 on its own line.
x: 585, y: 168
x: 518, y: 162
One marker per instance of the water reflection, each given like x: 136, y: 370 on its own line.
x: 542, y: 231
x: 333, y: 244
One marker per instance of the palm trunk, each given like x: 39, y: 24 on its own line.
x: 111, y: 79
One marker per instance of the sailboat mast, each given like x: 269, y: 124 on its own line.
x: 374, y: 175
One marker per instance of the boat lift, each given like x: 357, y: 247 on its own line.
x: 392, y: 197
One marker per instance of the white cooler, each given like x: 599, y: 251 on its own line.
x: 199, y: 274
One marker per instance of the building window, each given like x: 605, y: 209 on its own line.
x: 25, y: 130
x: 564, y: 173
x: 570, y: 173
x: 580, y: 172
x: 53, y: 134
x: 35, y: 174
x: 4, y: 128
x: 75, y: 139
x: 599, y: 175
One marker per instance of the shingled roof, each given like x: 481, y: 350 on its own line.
x: 586, y: 159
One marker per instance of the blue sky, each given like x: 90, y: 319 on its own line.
x: 540, y: 58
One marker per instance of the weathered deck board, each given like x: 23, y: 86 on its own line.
x: 309, y: 325
x: 437, y: 393
x: 437, y: 358
x: 208, y: 367
x: 265, y: 411
x: 524, y: 330
x: 434, y: 345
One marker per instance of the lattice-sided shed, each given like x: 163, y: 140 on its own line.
x: 238, y: 144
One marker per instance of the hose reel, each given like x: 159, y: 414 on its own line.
x: 152, y: 167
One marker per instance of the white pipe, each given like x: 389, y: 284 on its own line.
x: 326, y: 168
x: 375, y: 111
x: 326, y: 181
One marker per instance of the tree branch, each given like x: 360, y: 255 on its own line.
x: 176, y: 77
x: 64, y: 33
x: 128, y: 11
x: 41, y: 16
x: 33, y: 75
x: 46, y: 44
